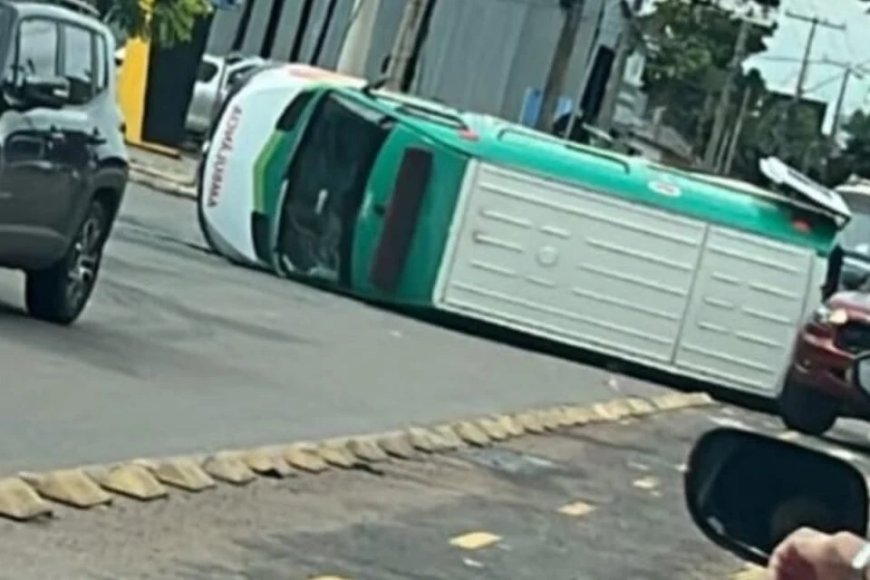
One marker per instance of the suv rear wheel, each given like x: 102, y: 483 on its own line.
x: 59, y: 293
x: 806, y: 411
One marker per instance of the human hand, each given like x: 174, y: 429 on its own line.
x: 811, y: 555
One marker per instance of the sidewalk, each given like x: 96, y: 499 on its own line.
x: 173, y: 175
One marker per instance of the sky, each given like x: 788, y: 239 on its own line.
x: 781, y: 62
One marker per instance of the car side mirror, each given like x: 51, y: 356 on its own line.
x: 747, y: 492
x: 853, y: 280
x: 51, y: 92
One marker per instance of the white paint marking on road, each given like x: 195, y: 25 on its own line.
x: 577, y: 509
x: 647, y: 483
x: 474, y: 540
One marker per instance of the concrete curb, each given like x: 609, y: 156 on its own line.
x: 31, y: 496
x: 164, y: 182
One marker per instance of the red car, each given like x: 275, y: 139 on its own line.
x: 817, y: 389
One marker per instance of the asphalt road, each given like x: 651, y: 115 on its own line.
x: 182, y: 352
x: 622, y: 482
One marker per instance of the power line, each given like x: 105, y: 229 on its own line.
x: 814, y: 22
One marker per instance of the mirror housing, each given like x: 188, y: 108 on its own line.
x: 852, y: 279
x: 747, y: 492
x: 50, y: 92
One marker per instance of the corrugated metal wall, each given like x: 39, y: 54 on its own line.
x: 480, y: 54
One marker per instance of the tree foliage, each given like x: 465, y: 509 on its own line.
x: 856, y: 155
x: 691, y: 45
x: 164, y: 21
x: 778, y: 127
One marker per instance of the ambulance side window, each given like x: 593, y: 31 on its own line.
x: 291, y: 115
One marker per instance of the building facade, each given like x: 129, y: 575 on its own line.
x: 482, y: 55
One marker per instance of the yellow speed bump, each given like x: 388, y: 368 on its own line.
x: 397, y: 445
x: 552, y: 419
x: 493, y: 430
x: 367, y: 449
x: 639, y: 407
x: 578, y: 415
x: 577, y: 509
x: 512, y: 427
x: 448, y: 436
x: 305, y: 459
x: 672, y: 401
x: 69, y: 486
x: 750, y: 572
x: 421, y: 439
x: 228, y: 467
x: 19, y: 501
x: 530, y: 422
x: 565, y: 419
x: 181, y: 472
x: 612, y: 410
x: 699, y: 399
x: 471, y: 433
x: 337, y: 455
x: 427, y: 440
x: 130, y: 480
x: 474, y: 540
x: 266, y: 462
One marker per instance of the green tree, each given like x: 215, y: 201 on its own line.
x: 165, y: 21
x: 691, y: 44
x: 856, y: 155
x: 798, y: 142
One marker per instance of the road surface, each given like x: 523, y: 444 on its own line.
x: 182, y: 352
x: 621, y: 483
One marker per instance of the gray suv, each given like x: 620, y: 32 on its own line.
x: 63, y: 163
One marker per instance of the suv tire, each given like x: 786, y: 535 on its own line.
x: 60, y: 293
x: 806, y: 411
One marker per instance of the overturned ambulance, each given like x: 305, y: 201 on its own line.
x: 315, y: 175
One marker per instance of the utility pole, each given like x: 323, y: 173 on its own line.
x: 738, y: 130
x: 355, y: 49
x: 721, y: 115
x: 572, y: 15
x: 406, y: 41
x: 814, y: 22
x: 625, y: 46
x: 848, y: 72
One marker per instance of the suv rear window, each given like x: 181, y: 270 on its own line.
x: 78, y: 65
x: 37, y: 47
